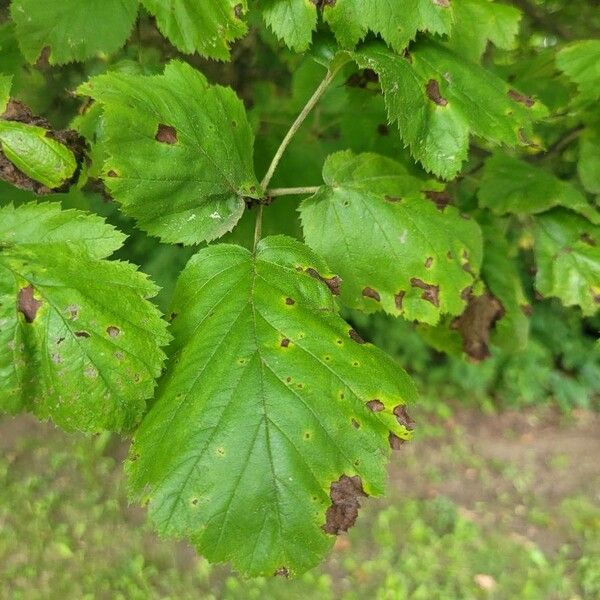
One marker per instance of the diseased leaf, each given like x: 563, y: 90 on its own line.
x: 274, y: 416
x: 79, y: 342
x: 203, y: 26
x: 39, y: 156
x: 567, y: 255
x: 397, y: 22
x: 511, y: 185
x: 72, y: 30
x: 292, y: 21
x: 438, y: 99
x: 580, y: 61
x: 501, y: 275
x: 180, y: 152
x: 393, y: 248
x: 477, y: 22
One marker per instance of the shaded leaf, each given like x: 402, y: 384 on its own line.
x: 580, y: 61
x: 393, y: 248
x: 263, y: 411
x: 180, y: 152
x: 79, y: 342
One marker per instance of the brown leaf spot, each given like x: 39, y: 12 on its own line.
x: 476, y: 323
x: 166, y: 134
x: 333, y: 283
x: 586, y: 238
x: 82, y: 334
x: 356, y: 337
x: 27, y: 304
x: 431, y: 293
x: 395, y: 442
x: 433, y: 93
x: 428, y: 262
x: 113, y: 331
x: 285, y: 342
x: 282, y: 572
x: 442, y: 3
x: 521, y: 98
x: 290, y: 302
x: 238, y: 11
x: 403, y: 417
x: 375, y: 405
x: 112, y: 173
x: 399, y: 299
x: 355, y: 424
x: 371, y: 293
x: 440, y: 199
x: 345, y: 494
x: 393, y: 199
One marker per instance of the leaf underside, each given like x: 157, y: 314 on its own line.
x: 263, y: 408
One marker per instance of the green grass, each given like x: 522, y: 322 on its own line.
x: 66, y: 531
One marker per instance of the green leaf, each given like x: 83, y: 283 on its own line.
x: 72, y: 30
x: 567, y: 255
x: 397, y: 22
x: 79, y: 342
x: 180, y: 152
x: 477, y: 22
x: 588, y: 166
x: 580, y: 61
x: 5, y: 85
x: 438, y: 98
x: 394, y: 249
x: 501, y: 274
x: 292, y: 21
x: 263, y: 407
x: 203, y: 26
x: 510, y: 185
x: 40, y: 157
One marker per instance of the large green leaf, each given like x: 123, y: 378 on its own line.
x: 39, y: 156
x: 79, y: 342
x: 203, y: 26
x: 580, y: 61
x: 292, y: 21
x: 511, y: 185
x: 180, y: 152
x: 397, y: 22
x: 394, y: 249
x: 477, y: 22
x: 270, y: 398
x: 567, y: 255
x: 588, y: 166
x: 438, y: 99
x: 72, y: 29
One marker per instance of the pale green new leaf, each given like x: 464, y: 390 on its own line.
x: 39, y: 156
x: 292, y: 21
x: 580, y: 61
x: 181, y: 152
x: 394, y: 249
x: 477, y: 22
x: 72, y: 30
x: 511, y: 185
x: 397, y: 21
x: 263, y: 407
x: 438, y: 99
x: 567, y: 256
x: 79, y: 342
x: 203, y: 26
x: 588, y: 166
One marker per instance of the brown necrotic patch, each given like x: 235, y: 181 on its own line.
x: 520, y: 98
x: 440, y: 199
x: 375, y: 405
x: 433, y: 93
x: 428, y: 262
x: 113, y: 331
x: 290, y: 301
x: 399, y: 299
x: 356, y: 336
x: 82, y: 334
x: 285, y: 342
x: 238, y: 11
x: 403, y: 417
x: 28, y: 306
x: 369, y: 292
x: 166, y: 134
x: 333, y: 283
x: 395, y: 442
x: 442, y: 3
x: 345, y: 494
x: 431, y: 293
